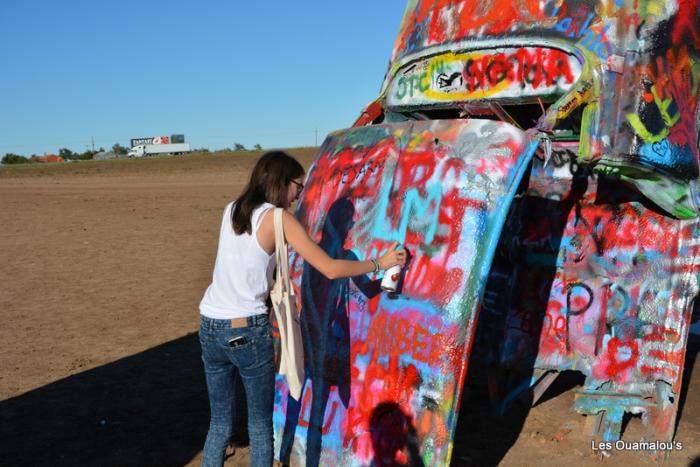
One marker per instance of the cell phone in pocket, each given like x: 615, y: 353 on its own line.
x: 237, y: 341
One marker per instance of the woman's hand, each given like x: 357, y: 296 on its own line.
x: 392, y: 257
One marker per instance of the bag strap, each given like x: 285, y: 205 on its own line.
x: 281, y: 251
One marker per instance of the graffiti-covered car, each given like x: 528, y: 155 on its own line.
x: 539, y: 161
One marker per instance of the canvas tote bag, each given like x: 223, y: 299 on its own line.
x: 285, y: 305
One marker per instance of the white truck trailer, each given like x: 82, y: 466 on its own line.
x: 152, y: 149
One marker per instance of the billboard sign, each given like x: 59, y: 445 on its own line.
x: 150, y: 140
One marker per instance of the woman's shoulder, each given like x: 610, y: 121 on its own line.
x: 290, y: 223
x: 228, y: 209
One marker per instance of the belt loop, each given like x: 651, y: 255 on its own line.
x: 257, y: 320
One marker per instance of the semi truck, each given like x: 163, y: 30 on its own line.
x: 142, y: 150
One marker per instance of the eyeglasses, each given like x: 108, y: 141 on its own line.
x: 300, y: 186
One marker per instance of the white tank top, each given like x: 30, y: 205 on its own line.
x: 242, y: 272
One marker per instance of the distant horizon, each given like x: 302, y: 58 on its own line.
x: 194, y: 151
x: 83, y: 75
x: 194, y: 148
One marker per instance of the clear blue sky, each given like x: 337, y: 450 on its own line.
x: 219, y: 72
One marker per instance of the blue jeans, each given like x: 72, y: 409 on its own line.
x: 252, y: 359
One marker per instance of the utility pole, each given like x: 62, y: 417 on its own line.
x: 92, y: 138
x: 316, y: 137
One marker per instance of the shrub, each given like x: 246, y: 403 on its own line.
x: 14, y: 159
x: 66, y: 153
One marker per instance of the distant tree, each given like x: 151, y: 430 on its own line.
x: 14, y: 159
x: 239, y: 147
x: 86, y: 156
x: 257, y: 147
x: 66, y: 153
x: 119, y: 149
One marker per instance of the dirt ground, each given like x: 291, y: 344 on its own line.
x: 103, y: 266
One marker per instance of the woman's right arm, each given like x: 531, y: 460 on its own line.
x: 296, y: 235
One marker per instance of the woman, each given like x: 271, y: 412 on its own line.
x: 235, y: 332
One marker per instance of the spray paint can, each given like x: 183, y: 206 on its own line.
x: 391, y: 278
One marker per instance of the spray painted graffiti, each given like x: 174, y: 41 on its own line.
x: 429, y: 23
x: 593, y: 267
x: 603, y: 284
x: 583, y: 26
x: 649, y: 49
x: 441, y: 189
x: 525, y: 71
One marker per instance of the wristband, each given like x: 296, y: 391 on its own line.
x: 376, y: 265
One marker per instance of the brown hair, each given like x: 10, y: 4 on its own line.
x: 268, y: 183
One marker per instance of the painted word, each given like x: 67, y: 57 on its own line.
x: 595, y: 42
x: 496, y: 73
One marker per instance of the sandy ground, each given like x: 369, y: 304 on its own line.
x: 103, y: 266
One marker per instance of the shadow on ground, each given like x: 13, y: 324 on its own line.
x: 147, y: 409
x: 691, y: 355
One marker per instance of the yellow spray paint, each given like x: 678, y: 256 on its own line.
x: 641, y: 129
